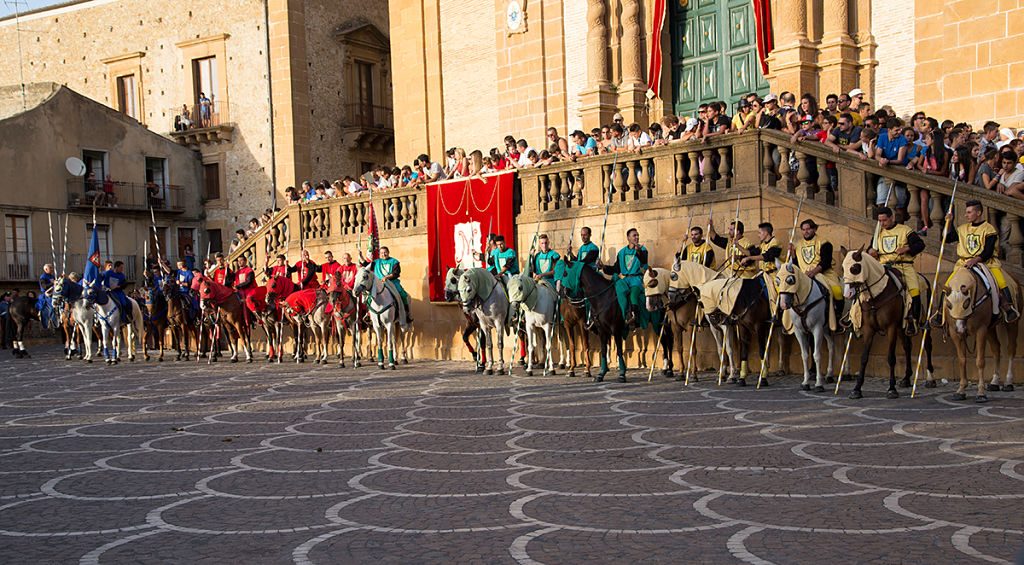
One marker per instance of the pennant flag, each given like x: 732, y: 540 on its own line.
x: 372, y: 234
x: 655, y: 60
x: 93, y: 262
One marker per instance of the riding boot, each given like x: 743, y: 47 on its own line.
x: 631, y: 316
x: 408, y: 311
x: 1010, y: 314
x: 911, y: 328
x: 939, y: 317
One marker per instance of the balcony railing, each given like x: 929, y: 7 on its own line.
x: 368, y: 116
x: 26, y: 267
x: 195, y: 125
x: 131, y: 196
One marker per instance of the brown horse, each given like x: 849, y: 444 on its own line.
x: 877, y: 294
x: 740, y: 310
x: 229, y: 316
x: 181, y: 319
x: 970, y: 313
x: 343, y: 310
x: 155, y: 323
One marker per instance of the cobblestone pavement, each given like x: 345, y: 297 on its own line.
x: 181, y: 462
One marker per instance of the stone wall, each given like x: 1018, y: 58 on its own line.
x: 895, y: 74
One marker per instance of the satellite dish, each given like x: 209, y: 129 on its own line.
x: 75, y: 166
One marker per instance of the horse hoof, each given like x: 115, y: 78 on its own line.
x: 88, y: 361
x: 981, y: 399
x: 667, y: 373
x: 380, y: 365
x: 529, y: 372
x: 622, y: 378
x: 146, y: 359
x: 489, y: 372
x: 679, y: 378
x: 819, y: 388
x: 405, y: 361
x: 117, y: 361
x: 599, y: 379
x: 730, y: 381
x: 958, y: 396
x: 341, y: 364
x: 992, y: 387
x: 1007, y: 388
x: 391, y: 366
x: 905, y: 383
x: 805, y: 388
x: 357, y: 364
x: 249, y: 360
x: 856, y: 395
x: 893, y: 393
x: 830, y: 380
x: 571, y: 375
x: 741, y: 382
x: 561, y: 366
x: 160, y: 359
x: 930, y: 384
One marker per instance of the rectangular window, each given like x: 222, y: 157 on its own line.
x: 213, y: 236
x: 185, y: 239
x: 364, y: 85
x: 103, y: 235
x: 16, y: 234
x: 211, y: 181
x: 126, y: 96
x: 156, y: 182
x: 204, y: 85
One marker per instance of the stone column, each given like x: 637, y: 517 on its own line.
x: 837, y: 54
x: 633, y: 89
x: 791, y: 64
x: 866, y: 45
x: 597, y: 101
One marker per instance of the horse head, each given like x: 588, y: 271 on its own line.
x: 91, y: 293
x: 859, y: 270
x: 365, y: 281
x: 790, y: 282
x: 451, y: 284
x: 467, y: 288
x: 961, y: 298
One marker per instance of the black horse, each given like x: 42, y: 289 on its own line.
x: 22, y: 311
x: 596, y: 295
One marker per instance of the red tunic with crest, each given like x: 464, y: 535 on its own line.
x: 307, y: 274
x: 278, y: 271
x: 328, y: 269
x: 220, y: 275
x: 348, y: 275
x: 245, y: 281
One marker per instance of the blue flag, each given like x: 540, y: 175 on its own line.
x: 93, y: 261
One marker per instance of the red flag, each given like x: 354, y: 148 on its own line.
x: 372, y: 234
x: 763, y: 27
x: 654, y: 61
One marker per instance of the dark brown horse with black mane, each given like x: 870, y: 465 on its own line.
x: 229, y: 316
x: 595, y: 295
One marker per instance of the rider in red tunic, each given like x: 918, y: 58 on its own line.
x: 348, y: 271
x: 222, y: 273
x: 280, y: 268
x: 306, y: 269
x: 329, y: 266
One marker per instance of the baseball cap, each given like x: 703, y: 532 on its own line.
x: 806, y: 118
x: 771, y: 98
x: 856, y: 92
x: 618, y: 117
x: 691, y: 124
x: 743, y: 103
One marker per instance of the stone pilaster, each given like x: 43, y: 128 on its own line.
x: 632, y: 90
x: 290, y: 92
x: 866, y: 45
x: 597, y: 101
x: 837, y: 54
x: 791, y: 64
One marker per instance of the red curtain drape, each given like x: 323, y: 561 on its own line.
x: 763, y: 25
x: 655, y: 60
x: 460, y: 214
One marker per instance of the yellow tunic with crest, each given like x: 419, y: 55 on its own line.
x: 889, y: 240
x: 970, y: 245
x: 808, y: 255
x: 737, y: 250
x: 698, y: 253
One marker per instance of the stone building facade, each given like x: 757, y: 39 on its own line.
x: 573, y: 63
x: 286, y: 101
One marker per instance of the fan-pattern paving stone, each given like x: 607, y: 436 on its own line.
x: 433, y: 463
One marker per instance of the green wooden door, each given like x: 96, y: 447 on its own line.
x: 714, y: 53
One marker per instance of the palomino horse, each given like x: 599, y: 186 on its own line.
x: 540, y: 308
x: 970, y: 313
x: 75, y: 317
x: 808, y: 304
x: 741, y: 311
x: 574, y: 319
x: 278, y: 289
x: 229, y: 316
x: 155, y: 321
x: 595, y: 295
x: 485, y: 299
x: 108, y: 314
x: 878, y: 308
x: 343, y: 311
x: 386, y: 314
x: 181, y: 319
x: 451, y: 294
x: 675, y: 293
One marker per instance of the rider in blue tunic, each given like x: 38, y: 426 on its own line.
x: 543, y: 261
x: 628, y: 270
x: 502, y: 260
x: 45, y: 302
x: 113, y: 280
x: 388, y: 268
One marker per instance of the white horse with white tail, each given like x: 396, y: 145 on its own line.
x: 808, y: 312
x: 108, y: 315
x: 483, y: 297
x: 387, y: 313
x: 539, y: 302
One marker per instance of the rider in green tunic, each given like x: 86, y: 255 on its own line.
x: 502, y: 260
x: 588, y: 253
x: 388, y: 268
x: 544, y: 261
x: 630, y: 264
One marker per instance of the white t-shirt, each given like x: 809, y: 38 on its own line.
x: 436, y: 172
x: 643, y: 141
x: 524, y: 160
x: 1013, y: 178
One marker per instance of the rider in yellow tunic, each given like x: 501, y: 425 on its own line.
x: 736, y: 248
x: 769, y: 252
x: 699, y: 250
x: 813, y: 255
x: 896, y: 247
x: 978, y: 242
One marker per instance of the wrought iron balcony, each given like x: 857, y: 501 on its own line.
x: 126, y: 196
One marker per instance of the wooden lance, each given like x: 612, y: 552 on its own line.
x: 778, y: 299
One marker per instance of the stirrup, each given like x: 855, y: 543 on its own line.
x: 936, y: 321
x: 911, y: 329
x: 1011, y: 315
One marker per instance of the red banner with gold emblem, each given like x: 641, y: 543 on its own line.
x: 461, y: 213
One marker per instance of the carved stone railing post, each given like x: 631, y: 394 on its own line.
x: 803, y: 177
x: 1015, y: 240
x: 564, y: 189
x: 768, y: 165
x: 577, y: 186
x: 784, y: 170
x: 680, y: 173
x: 938, y: 211
x: 645, y: 177
x: 913, y: 206
x: 694, y: 174
x: 825, y: 182
x: 724, y: 169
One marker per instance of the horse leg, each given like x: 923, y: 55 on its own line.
x: 588, y: 357
x: 805, y: 355
x: 980, y: 341
x: 602, y: 360
x: 819, y: 359
x: 908, y: 346
x: 621, y: 358
x: 391, y: 337
x: 570, y: 334
x: 869, y: 338
x: 1011, y: 354
x: 891, y: 338
x: 531, y: 346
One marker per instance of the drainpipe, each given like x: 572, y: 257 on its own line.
x: 270, y: 101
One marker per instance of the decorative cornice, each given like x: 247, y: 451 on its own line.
x: 199, y: 40
x: 123, y: 57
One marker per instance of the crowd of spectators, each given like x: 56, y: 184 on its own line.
x: 255, y: 224
x: 992, y: 157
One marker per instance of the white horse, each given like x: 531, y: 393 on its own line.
x: 540, y: 310
x: 386, y: 312
x: 808, y: 304
x: 484, y: 298
x: 108, y: 314
x: 66, y: 295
